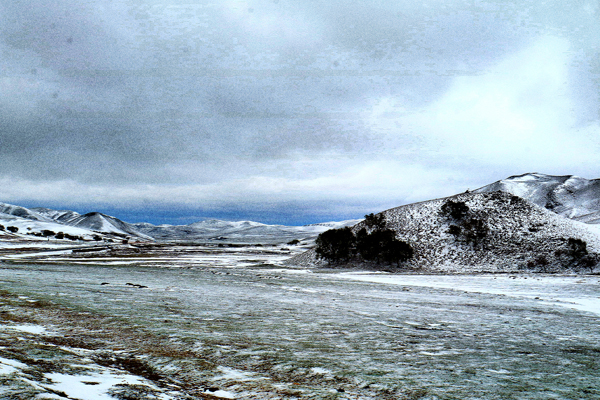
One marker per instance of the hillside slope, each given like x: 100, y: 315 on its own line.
x: 22, y: 212
x: 35, y: 220
x: 570, y: 196
x: 31, y: 229
x: 520, y: 236
x: 93, y: 221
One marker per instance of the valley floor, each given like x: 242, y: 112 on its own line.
x: 193, y: 322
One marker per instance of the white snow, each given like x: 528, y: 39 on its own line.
x: 536, y: 287
x: 34, y: 329
x: 96, y: 385
x: 221, y: 393
x: 234, y: 375
x: 9, y: 366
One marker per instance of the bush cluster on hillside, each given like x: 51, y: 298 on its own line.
x: 576, y: 256
x: 465, y: 225
x: 373, y: 243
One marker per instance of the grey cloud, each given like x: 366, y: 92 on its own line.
x: 170, y: 92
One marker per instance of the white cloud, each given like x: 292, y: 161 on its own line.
x: 518, y: 114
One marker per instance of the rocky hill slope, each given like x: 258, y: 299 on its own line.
x: 570, y: 196
x: 517, y: 235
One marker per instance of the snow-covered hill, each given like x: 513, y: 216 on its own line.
x: 99, y: 222
x: 570, y: 196
x: 36, y: 220
x: 521, y: 235
x: 237, y: 231
x: 21, y: 212
x: 27, y: 229
x: 94, y: 221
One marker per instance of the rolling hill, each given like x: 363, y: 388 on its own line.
x: 36, y: 220
x: 517, y: 235
x: 570, y: 196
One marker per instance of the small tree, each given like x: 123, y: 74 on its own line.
x: 457, y: 210
x: 397, y: 251
x: 376, y: 222
x: 372, y: 243
x: 474, y: 231
x: 589, y: 261
x: 454, y: 230
x: 336, y: 245
x: 13, y: 229
x: 577, y: 248
x: 381, y: 245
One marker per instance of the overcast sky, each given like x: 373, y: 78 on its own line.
x: 288, y: 111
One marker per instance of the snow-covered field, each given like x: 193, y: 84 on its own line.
x: 188, y: 322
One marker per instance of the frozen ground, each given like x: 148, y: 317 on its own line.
x: 200, y: 322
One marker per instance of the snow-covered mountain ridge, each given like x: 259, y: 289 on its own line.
x: 88, y: 226
x: 570, y: 196
x: 238, y: 231
x: 36, y: 220
x: 520, y: 235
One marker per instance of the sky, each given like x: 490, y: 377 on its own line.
x: 289, y: 112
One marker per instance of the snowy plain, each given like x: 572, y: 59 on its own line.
x: 215, y: 322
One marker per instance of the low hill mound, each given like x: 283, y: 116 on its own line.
x: 500, y: 232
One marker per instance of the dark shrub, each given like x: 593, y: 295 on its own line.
x: 474, y: 231
x: 589, y: 261
x: 336, y: 245
x: 577, y: 247
x: 454, y: 230
x: 457, y: 210
x: 575, y: 255
x: 71, y: 237
x: 380, y: 245
x: 397, y: 251
x: 12, y: 229
x: 375, y: 221
x: 539, y: 263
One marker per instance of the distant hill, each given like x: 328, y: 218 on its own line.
x: 237, y: 231
x: 93, y: 221
x: 518, y: 236
x: 21, y: 212
x: 570, y: 196
x: 36, y: 220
